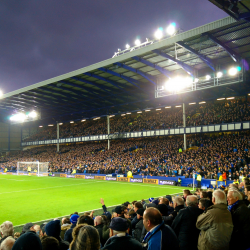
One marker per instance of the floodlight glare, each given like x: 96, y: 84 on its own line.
x: 139, y: 112
x: 232, y: 71
x: 1, y: 93
x: 179, y: 83
x: 219, y: 74
x: 171, y: 29
x: 83, y: 120
x: 196, y: 80
x: 32, y: 114
x: 208, y: 77
x: 71, y: 121
x: 159, y: 34
x: 137, y: 42
x: 127, y: 46
x: 40, y: 126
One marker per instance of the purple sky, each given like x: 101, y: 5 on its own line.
x: 41, y: 39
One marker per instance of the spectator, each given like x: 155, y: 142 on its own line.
x: 119, y: 239
x: 28, y: 241
x: 98, y: 222
x: 50, y: 243
x: 28, y: 227
x: 53, y: 229
x: 85, y: 237
x: 241, y: 220
x: 204, y: 203
x: 184, y: 224
x: 137, y: 227
x: 216, y: 224
x: 68, y: 233
x: 7, y: 243
x: 38, y: 231
x: 65, y: 226
x: 6, y: 230
x: 159, y: 236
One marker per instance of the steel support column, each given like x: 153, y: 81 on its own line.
x: 184, y: 126
x: 108, y: 127
x: 57, y: 136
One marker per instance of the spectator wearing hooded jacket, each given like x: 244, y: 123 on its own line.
x: 53, y: 229
x: 216, y: 224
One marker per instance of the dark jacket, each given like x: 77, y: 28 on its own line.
x: 241, y: 231
x: 122, y: 243
x: 169, y: 219
x: 68, y: 234
x: 162, y: 237
x: 100, y: 229
x: 137, y: 231
x: 184, y: 226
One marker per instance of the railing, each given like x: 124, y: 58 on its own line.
x: 224, y: 127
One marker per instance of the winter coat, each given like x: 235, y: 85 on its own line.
x: 241, y: 231
x: 184, y: 226
x: 216, y: 227
x: 137, y: 232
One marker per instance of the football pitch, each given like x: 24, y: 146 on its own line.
x: 26, y: 199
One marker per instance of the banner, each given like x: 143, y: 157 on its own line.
x: 63, y: 175
x: 9, y: 173
x: 126, y: 179
x: 70, y: 176
x: 78, y: 176
x: 33, y: 174
x: 109, y: 178
x: 89, y: 177
x: 45, y: 174
x: 150, y: 181
x: 139, y: 180
x: 100, y: 177
x: 166, y: 182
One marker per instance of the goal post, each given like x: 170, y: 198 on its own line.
x: 33, y: 168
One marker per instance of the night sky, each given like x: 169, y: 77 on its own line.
x: 41, y: 39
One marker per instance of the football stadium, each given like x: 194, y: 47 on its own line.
x: 148, y: 149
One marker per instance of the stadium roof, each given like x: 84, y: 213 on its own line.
x: 127, y: 82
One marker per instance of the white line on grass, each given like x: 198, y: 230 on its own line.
x: 6, y: 179
x: 83, y: 211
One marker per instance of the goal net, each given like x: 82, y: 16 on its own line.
x: 33, y: 168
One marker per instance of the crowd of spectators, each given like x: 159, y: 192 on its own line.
x: 206, y: 220
x: 215, y: 112
x: 224, y: 154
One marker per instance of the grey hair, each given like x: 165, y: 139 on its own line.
x: 236, y: 193
x: 178, y: 200
x: 7, y: 229
x: 192, y: 200
x: 220, y: 197
x: 8, y: 243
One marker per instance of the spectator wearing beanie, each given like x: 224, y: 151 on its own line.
x: 119, y: 239
x: 68, y: 233
x: 28, y: 241
x: 53, y: 229
x: 85, y: 237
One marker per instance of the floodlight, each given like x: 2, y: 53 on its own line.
x: 220, y: 99
x: 139, y: 112
x: 159, y: 34
x: 232, y: 71
x: 111, y: 116
x: 208, y: 77
x: 178, y: 106
x: 147, y: 110
x: 18, y: 117
x: 32, y: 114
x: 158, y: 109
x: 171, y: 29
x: 196, y: 80
x: 219, y: 74
x: 127, y: 46
x: 123, y: 114
x: 50, y: 125
x: 84, y: 120
x: 40, y: 126
x: 230, y: 98
x: 192, y: 103
x: 71, y: 121
x: 168, y: 107
x: 178, y: 83
x: 128, y: 113
x: 202, y: 102
x: 1, y: 93
x: 60, y: 123
x: 137, y: 42
x: 119, y: 50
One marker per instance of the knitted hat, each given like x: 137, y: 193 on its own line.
x: 119, y: 224
x: 28, y: 241
x: 53, y: 228
x: 74, y: 218
x: 151, y: 199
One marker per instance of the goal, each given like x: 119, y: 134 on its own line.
x: 33, y: 168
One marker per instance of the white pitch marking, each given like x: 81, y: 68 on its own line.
x: 10, y: 179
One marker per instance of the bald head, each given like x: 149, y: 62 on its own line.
x: 192, y: 201
x: 98, y: 220
x: 151, y: 218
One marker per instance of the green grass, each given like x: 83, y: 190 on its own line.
x: 31, y: 199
